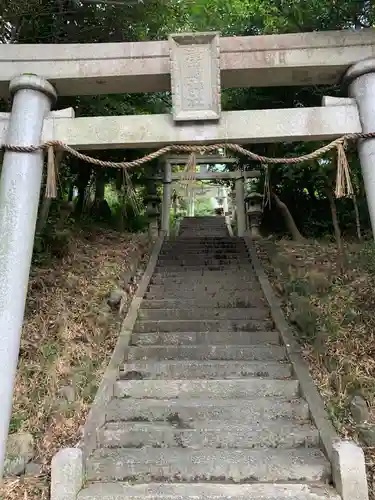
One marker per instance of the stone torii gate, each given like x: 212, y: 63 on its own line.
x: 184, y: 60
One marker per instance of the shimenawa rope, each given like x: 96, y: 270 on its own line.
x: 343, y: 177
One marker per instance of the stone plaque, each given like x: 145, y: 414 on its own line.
x: 195, y: 76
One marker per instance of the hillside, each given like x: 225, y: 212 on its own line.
x: 68, y: 336
x: 333, y: 315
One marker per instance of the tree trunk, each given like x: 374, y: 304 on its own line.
x: 43, y: 215
x: 289, y: 221
x: 357, y: 219
x: 337, y: 230
x: 82, y: 182
x: 99, y: 187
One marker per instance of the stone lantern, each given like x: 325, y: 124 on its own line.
x: 232, y: 213
x: 152, y: 201
x: 254, y: 210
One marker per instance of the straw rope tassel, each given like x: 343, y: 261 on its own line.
x: 51, y: 189
x: 189, y: 174
x: 344, y: 185
x: 266, y: 188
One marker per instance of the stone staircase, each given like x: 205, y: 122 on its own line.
x: 206, y: 405
x: 205, y: 227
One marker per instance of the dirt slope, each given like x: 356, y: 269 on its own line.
x: 333, y: 315
x: 68, y: 336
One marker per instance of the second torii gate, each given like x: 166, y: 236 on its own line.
x: 238, y: 176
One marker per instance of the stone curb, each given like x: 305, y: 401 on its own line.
x: 347, y: 458
x: 67, y: 474
x: 68, y: 465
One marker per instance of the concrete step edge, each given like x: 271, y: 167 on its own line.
x: 152, y: 304
x: 208, y: 352
x: 204, y: 324
x: 269, y: 337
x: 196, y: 314
x: 193, y: 410
x: 189, y: 465
x: 143, y: 370
x: 209, y: 491
x: 213, y: 388
x: 215, y: 434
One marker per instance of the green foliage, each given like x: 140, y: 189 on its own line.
x: 301, y: 187
x: 203, y: 207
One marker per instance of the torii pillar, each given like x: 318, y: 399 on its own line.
x: 167, y: 197
x: 20, y: 183
x: 360, y: 79
x: 240, y: 205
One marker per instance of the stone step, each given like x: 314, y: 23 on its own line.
x: 201, y: 313
x: 205, y: 241
x: 140, y: 370
x: 204, y: 272
x: 208, y: 283
x: 193, y: 234
x: 203, y: 288
x: 206, y: 389
x: 205, y: 338
x: 207, y: 491
x: 201, y: 258
x: 185, y: 411
x: 204, y: 303
x: 193, y: 268
x: 203, y: 325
x: 207, y: 224
x: 210, y: 464
x: 177, y: 252
x: 195, y: 260
x: 201, y: 261
x: 211, y: 434
x: 207, y: 286
x: 189, y: 249
x: 196, y: 268
x: 255, y: 296
x: 182, y: 277
x: 203, y: 252
x: 208, y: 279
x: 207, y: 237
x: 209, y: 352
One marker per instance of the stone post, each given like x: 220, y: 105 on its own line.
x: 152, y: 201
x: 254, y: 213
x: 360, y: 79
x: 20, y: 184
x: 225, y: 203
x: 240, y: 206
x: 174, y: 202
x: 191, y: 204
x: 167, y: 192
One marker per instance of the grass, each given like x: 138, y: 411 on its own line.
x: 68, y: 336
x: 334, y: 320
